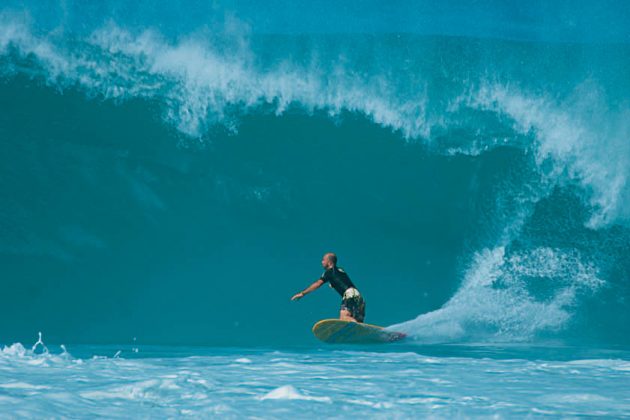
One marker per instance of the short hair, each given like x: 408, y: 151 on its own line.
x: 331, y: 257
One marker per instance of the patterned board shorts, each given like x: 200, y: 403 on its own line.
x: 353, y: 302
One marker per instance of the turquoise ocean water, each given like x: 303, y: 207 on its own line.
x: 170, y: 176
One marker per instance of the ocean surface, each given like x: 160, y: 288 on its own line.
x: 171, y: 174
x: 401, y: 381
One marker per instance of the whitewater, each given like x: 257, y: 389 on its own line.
x: 170, y: 176
x: 307, y: 383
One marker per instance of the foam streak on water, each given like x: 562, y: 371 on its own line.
x: 323, y: 383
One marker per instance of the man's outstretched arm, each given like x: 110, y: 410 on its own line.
x: 309, y: 289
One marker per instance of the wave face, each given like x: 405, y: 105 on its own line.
x: 177, y: 184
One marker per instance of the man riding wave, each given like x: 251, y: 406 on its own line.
x: 352, y: 303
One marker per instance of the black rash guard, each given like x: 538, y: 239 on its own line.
x: 338, y: 279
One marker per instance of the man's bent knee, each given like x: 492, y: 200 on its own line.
x: 345, y: 315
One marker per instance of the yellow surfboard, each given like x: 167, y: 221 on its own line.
x: 336, y: 331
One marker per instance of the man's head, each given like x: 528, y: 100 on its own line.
x: 329, y: 260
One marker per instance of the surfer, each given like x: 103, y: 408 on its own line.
x: 352, y: 303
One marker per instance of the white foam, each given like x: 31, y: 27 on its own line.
x: 203, y: 85
x: 494, y: 299
x: 574, y: 398
x: 377, y: 405
x: 140, y: 390
x: 15, y: 349
x: 288, y: 392
x: 22, y: 385
x: 420, y: 400
x: 620, y: 365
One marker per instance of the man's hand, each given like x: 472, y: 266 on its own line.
x: 309, y: 289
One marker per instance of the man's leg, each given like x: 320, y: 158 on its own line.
x: 345, y: 315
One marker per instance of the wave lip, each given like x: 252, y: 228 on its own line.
x: 201, y: 84
x: 581, y: 138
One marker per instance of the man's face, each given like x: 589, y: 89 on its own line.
x: 324, y: 262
